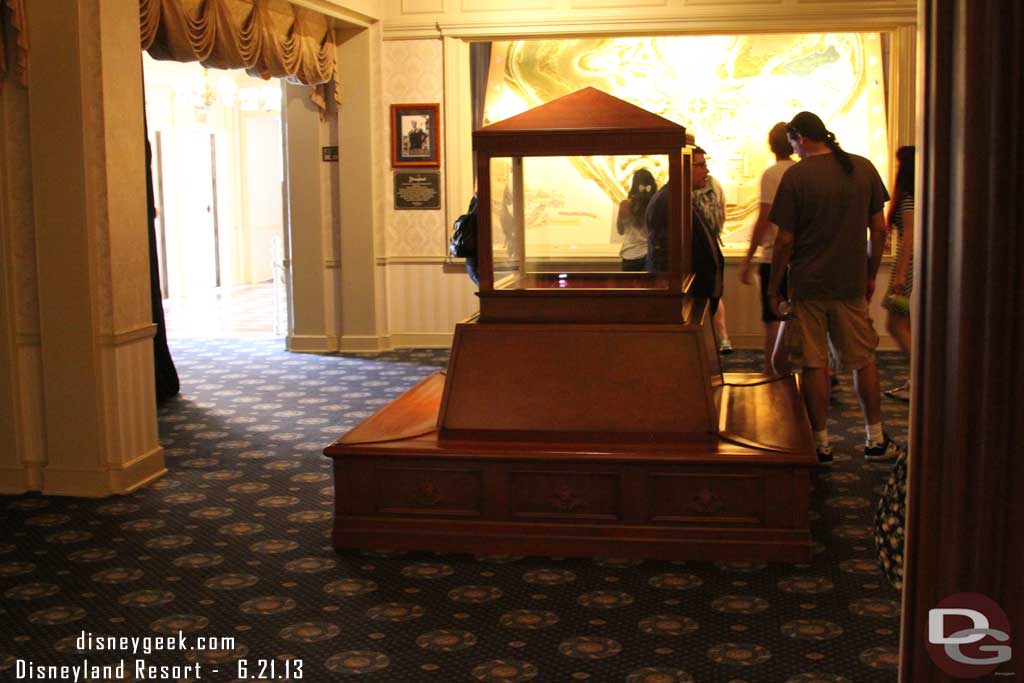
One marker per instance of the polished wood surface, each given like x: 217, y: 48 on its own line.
x: 593, y: 380
x: 966, y: 510
x: 751, y: 407
x: 698, y: 496
x: 767, y: 440
x: 415, y: 415
x: 587, y: 121
x: 575, y: 281
x: 581, y: 306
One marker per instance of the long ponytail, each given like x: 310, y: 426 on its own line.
x: 841, y: 156
x: 811, y: 127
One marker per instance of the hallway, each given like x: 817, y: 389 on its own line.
x: 242, y: 312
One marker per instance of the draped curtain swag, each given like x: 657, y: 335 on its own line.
x: 268, y: 38
x: 14, y: 19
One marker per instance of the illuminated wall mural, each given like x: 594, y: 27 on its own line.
x: 727, y: 90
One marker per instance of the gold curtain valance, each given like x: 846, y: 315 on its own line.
x: 16, y: 21
x: 268, y: 38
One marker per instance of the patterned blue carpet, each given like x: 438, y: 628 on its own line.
x: 233, y: 545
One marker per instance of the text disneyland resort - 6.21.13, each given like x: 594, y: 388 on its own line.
x: 131, y: 658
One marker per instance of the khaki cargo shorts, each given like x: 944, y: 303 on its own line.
x: 842, y: 325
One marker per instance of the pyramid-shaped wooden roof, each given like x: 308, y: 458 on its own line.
x: 588, y: 121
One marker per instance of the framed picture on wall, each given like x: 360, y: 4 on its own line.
x: 415, y: 135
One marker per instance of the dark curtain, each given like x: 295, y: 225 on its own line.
x: 167, y: 384
x: 479, y: 66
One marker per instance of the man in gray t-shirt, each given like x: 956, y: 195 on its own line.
x: 822, y: 207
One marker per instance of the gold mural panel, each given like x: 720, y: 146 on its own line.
x: 727, y: 90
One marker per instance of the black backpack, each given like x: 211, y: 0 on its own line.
x: 463, y: 242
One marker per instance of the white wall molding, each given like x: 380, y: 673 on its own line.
x: 353, y: 13
x: 145, y: 331
x: 129, y: 397
x: 411, y: 260
x: 355, y: 343
x: 31, y: 427
x: 504, y: 20
x: 311, y: 343
x: 13, y: 481
x: 436, y: 340
x: 91, y: 483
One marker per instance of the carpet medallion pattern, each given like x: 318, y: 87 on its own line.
x: 231, y: 550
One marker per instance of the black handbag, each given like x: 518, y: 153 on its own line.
x: 463, y: 241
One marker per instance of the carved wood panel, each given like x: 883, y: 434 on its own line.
x: 565, y: 495
x: 697, y: 497
x: 429, y: 491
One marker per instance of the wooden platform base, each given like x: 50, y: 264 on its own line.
x: 739, y: 495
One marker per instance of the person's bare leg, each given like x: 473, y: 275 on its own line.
x: 865, y: 382
x: 899, y: 327
x: 719, y: 321
x: 816, y: 390
x: 771, y: 334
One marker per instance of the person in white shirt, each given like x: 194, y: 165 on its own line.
x: 763, y: 237
x: 630, y: 221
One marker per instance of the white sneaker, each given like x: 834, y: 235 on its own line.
x: 725, y: 346
x: 887, y: 450
x: 901, y: 393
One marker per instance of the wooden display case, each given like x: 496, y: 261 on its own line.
x: 584, y: 411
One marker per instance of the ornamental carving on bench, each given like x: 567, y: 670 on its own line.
x: 566, y: 500
x: 706, y: 502
x: 428, y: 494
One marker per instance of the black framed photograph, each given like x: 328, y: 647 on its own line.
x: 415, y: 135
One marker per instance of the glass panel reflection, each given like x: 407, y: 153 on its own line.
x: 727, y: 90
x: 549, y: 233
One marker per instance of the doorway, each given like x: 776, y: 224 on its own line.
x: 219, y: 176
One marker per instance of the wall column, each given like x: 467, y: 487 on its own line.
x: 312, y: 259
x: 363, y: 144
x: 92, y: 254
x: 22, y: 440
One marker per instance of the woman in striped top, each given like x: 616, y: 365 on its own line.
x: 901, y: 282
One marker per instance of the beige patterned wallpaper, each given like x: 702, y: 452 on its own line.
x: 412, y: 72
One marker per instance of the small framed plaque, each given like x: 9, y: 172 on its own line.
x: 417, y: 190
